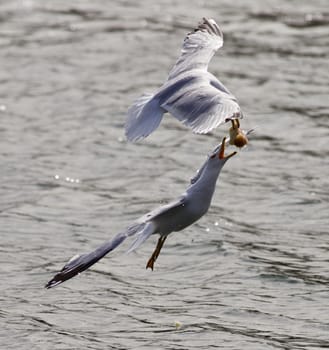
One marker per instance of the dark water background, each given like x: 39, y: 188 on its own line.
x: 253, y: 273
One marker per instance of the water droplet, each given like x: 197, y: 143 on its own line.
x: 67, y: 179
x: 216, y: 223
x: 207, y: 229
x: 3, y: 108
x: 56, y: 177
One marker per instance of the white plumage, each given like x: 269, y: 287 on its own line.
x: 191, y: 94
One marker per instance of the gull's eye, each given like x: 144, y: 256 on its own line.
x: 213, y: 156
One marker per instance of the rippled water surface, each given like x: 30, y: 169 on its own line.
x: 253, y: 273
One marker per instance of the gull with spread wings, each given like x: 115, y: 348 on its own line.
x: 191, y: 94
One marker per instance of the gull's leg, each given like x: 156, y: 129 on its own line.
x: 156, y: 252
x: 237, y: 123
x: 233, y: 131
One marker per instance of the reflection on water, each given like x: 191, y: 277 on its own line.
x: 253, y: 273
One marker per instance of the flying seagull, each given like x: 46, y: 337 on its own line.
x: 191, y: 94
x: 172, y: 217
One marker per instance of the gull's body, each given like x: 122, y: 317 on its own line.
x: 191, y: 94
x: 175, y: 216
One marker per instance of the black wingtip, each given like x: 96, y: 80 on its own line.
x: 75, y: 266
x: 53, y: 283
x: 80, y: 263
x: 59, y: 278
x: 209, y: 25
x: 71, y: 269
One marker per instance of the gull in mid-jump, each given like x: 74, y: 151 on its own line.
x: 191, y: 94
x: 175, y: 216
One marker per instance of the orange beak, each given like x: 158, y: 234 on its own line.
x: 222, y: 150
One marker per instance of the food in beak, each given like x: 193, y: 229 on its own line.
x: 237, y: 136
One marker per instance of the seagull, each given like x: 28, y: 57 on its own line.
x: 172, y: 217
x: 191, y: 94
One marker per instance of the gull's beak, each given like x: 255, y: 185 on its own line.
x: 222, y: 150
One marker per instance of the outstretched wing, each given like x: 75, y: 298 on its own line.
x: 203, y: 105
x: 198, y: 48
x: 142, y: 228
x: 80, y: 263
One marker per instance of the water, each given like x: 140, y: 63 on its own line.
x: 253, y: 273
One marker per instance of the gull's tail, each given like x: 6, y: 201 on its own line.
x: 144, y: 116
x: 82, y: 262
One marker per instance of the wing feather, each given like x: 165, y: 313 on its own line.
x: 198, y: 48
x: 202, y: 107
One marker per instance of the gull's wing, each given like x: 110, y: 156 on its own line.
x: 143, y: 228
x: 202, y: 106
x: 198, y: 48
x: 80, y: 263
x: 165, y: 213
x: 166, y: 208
